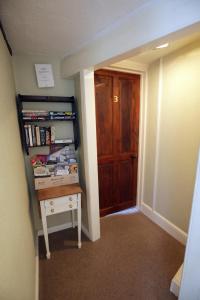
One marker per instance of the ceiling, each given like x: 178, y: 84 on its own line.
x: 149, y: 55
x: 62, y: 27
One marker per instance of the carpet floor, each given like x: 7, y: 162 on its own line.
x: 134, y: 259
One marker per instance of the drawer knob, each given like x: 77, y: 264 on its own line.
x: 70, y: 206
x: 70, y: 198
x: 51, y: 202
x: 52, y: 210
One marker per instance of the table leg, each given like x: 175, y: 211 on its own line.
x: 73, y: 220
x: 79, y: 220
x: 44, y: 224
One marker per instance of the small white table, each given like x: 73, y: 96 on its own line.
x: 60, y: 199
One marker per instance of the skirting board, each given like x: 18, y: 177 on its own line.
x: 176, y: 282
x: 65, y: 226
x: 165, y: 224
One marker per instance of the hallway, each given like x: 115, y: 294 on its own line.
x: 134, y: 259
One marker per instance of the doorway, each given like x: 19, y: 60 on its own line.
x: 117, y: 97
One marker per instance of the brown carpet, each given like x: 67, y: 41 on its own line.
x: 134, y: 259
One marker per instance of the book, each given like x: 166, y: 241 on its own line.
x: 62, y: 117
x: 30, y: 136
x: 53, y: 133
x: 63, y: 141
x: 61, y: 113
x: 48, y: 136
x: 33, y: 135
x: 26, y: 135
x: 42, y: 136
x: 37, y: 130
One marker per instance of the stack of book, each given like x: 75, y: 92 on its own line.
x: 62, y: 115
x: 42, y: 115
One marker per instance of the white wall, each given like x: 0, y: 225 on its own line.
x: 26, y: 84
x: 81, y: 155
x: 25, y: 77
x: 152, y: 98
x: 17, y: 259
x: 174, y: 141
x: 144, y: 28
x: 190, y: 288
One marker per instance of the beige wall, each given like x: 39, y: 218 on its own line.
x: 26, y: 83
x: 190, y: 288
x: 25, y: 77
x: 17, y: 259
x: 178, y: 135
x: 153, y: 76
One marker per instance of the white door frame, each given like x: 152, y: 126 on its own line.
x: 90, y: 144
x: 90, y: 151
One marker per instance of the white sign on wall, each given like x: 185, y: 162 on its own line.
x: 44, y: 75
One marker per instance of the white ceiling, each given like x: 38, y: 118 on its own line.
x: 61, y: 27
x: 147, y: 56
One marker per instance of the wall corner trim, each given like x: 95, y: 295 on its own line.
x: 5, y: 38
x: 165, y: 224
x: 37, y: 268
x: 86, y: 232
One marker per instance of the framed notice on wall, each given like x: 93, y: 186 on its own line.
x: 44, y: 75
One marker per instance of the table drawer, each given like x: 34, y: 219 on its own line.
x: 61, y: 204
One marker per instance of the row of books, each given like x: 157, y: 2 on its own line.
x: 39, y: 136
x: 41, y: 115
x: 43, y: 136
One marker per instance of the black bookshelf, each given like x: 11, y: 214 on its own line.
x: 20, y: 99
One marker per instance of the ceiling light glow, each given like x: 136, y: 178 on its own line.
x: 162, y: 46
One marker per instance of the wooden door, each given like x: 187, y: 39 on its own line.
x: 117, y: 124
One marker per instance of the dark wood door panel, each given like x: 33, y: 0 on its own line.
x: 125, y: 178
x: 104, y: 115
x: 129, y: 110
x: 117, y: 115
x: 106, y: 183
x: 126, y: 114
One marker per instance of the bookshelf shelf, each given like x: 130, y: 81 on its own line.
x: 21, y: 99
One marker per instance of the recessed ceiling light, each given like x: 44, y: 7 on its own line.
x: 162, y: 46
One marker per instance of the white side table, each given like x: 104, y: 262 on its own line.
x: 60, y: 199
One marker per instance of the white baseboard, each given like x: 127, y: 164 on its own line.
x: 165, y: 224
x: 36, y: 268
x: 176, y: 282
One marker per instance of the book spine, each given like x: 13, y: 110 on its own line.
x: 26, y: 135
x: 53, y: 133
x: 48, y: 140
x: 30, y: 136
x: 42, y: 136
x: 33, y: 135
x: 37, y: 131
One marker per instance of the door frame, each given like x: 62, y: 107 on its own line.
x: 90, y: 143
